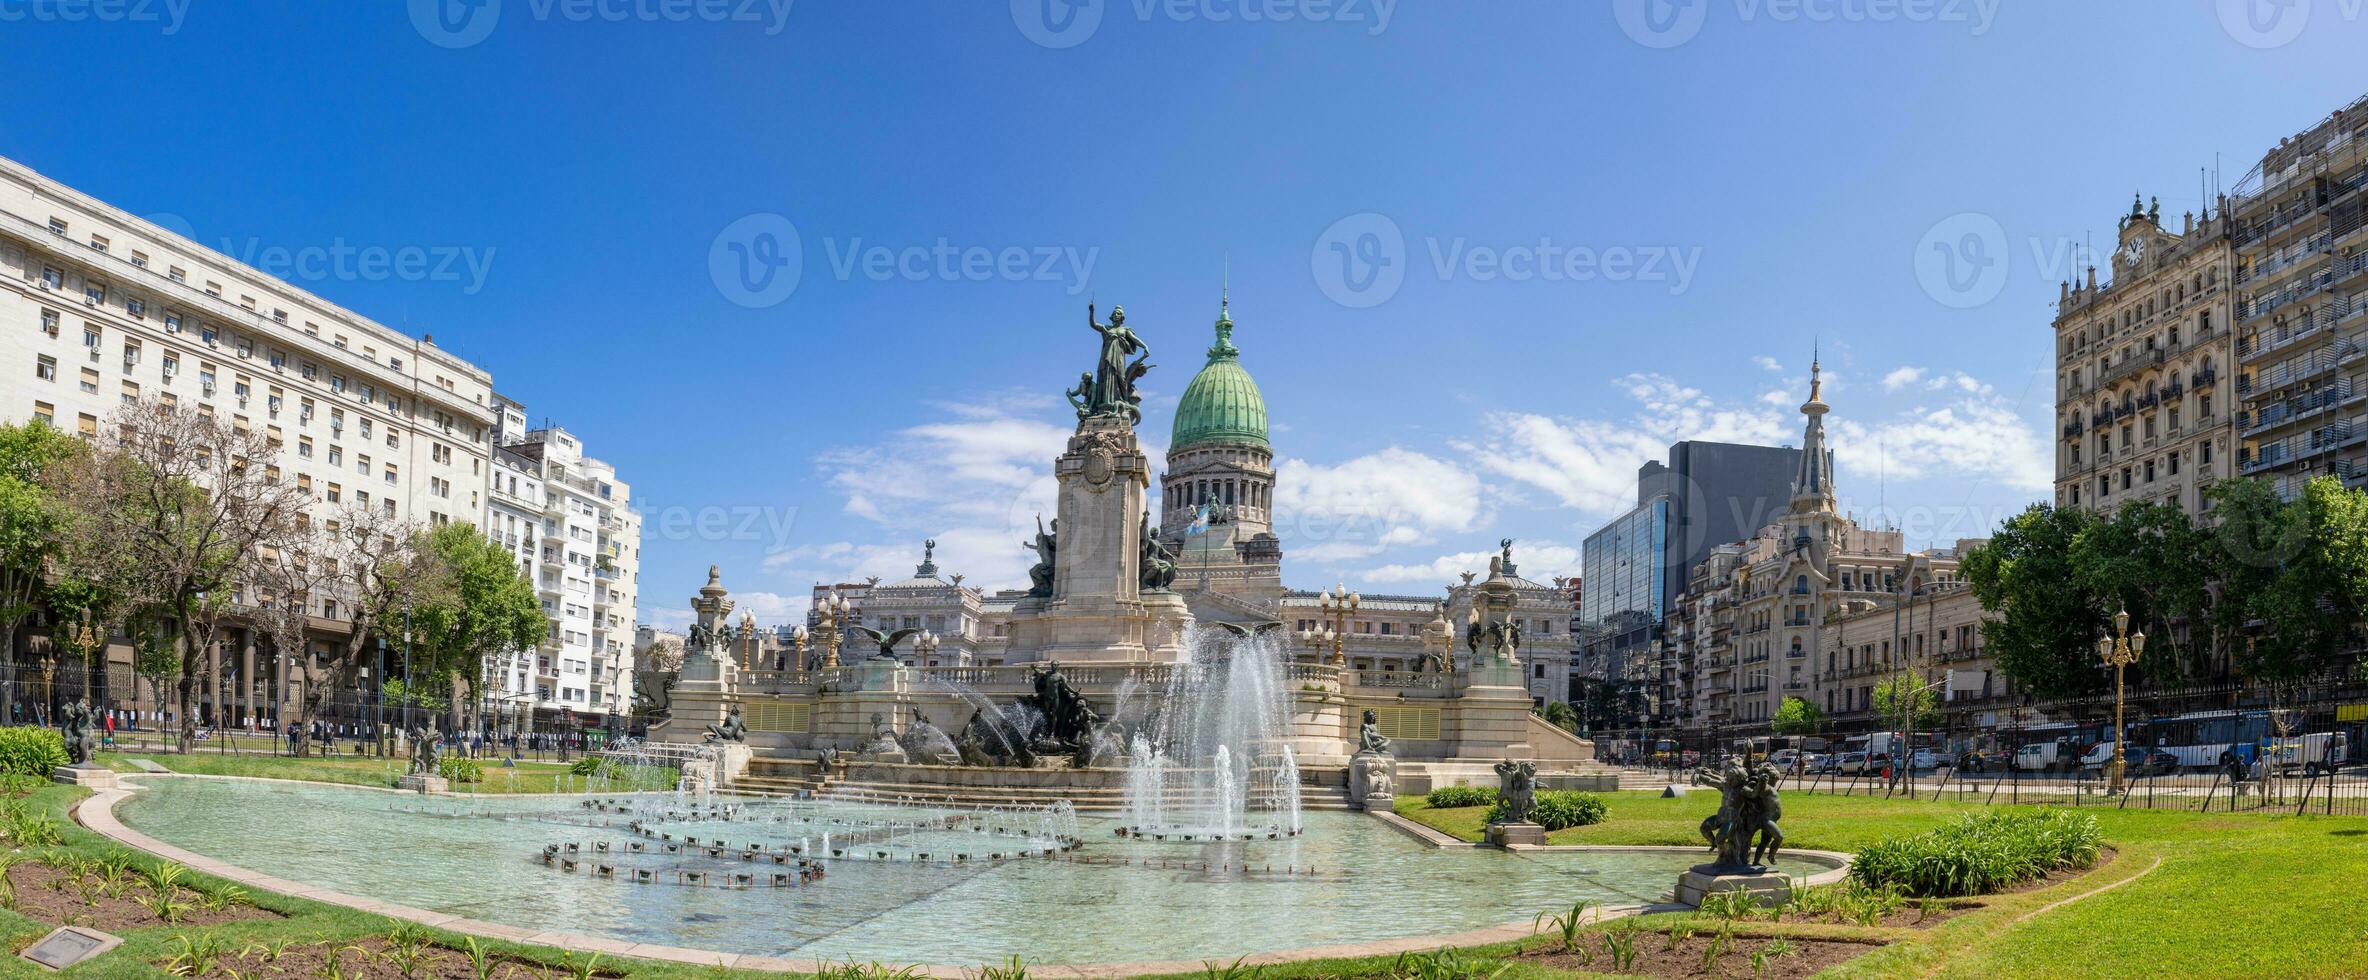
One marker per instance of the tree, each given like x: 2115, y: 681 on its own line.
x: 381, y: 567
x: 1797, y: 716
x: 178, y: 499
x: 489, y: 609
x: 33, y: 519
x: 2290, y: 573
x: 2150, y: 559
x: 1904, y: 696
x: 2043, y: 624
x: 1560, y: 715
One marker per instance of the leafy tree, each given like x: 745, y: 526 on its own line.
x: 2151, y: 560
x: 1904, y: 695
x: 33, y: 519
x: 1560, y: 715
x: 2290, y: 574
x: 490, y: 608
x: 1797, y: 716
x: 2043, y: 624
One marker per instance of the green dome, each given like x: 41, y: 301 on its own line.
x: 1222, y: 404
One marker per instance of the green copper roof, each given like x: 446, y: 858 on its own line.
x: 1222, y: 404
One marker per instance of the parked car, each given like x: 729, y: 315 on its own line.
x: 1819, y: 762
x: 1982, y: 760
x: 1850, y: 763
x: 2138, y: 761
x: 1923, y: 759
x: 1785, y: 759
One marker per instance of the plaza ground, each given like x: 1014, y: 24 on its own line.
x: 2209, y: 895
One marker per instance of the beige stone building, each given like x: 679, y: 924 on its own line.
x: 2299, y: 233
x: 1760, y: 618
x: 2141, y: 409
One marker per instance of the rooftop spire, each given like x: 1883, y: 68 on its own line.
x: 1224, y: 346
x: 1813, y: 486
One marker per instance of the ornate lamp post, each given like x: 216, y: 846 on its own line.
x: 925, y: 647
x: 86, y: 637
x: 798, y: 638
x: 1338, y: 604
x: 1321, y: 639
x: 830, y: 619
x: 2120, y: 650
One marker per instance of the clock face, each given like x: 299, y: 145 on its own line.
x: 2133, y: 250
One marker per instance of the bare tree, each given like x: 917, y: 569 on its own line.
x: 192, y: 503
x: 290, y: 586
x: 378, y: 567
x: 664, y: 654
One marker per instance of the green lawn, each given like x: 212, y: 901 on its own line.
x: 2234, y: 896
x: 528, y: 777
x: 2205, y: 895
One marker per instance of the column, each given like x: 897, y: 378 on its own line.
x: 246, y: 679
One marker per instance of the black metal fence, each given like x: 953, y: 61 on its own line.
x: 2256, y: 788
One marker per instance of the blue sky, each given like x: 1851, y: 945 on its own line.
x: 1713, y: 187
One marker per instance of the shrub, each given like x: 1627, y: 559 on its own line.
x: 597, y: 767
x: 460, y: 770
x: 1454, y: 797
x: 30, y: 750
x: 1980, y: 854
x: 1560, y: 809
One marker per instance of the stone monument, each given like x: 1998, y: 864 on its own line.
x: 74, y: 725
x: 1517, y: 790
x: 1743, y: 834
x: 1372, y: 771
x: 1099, y: 590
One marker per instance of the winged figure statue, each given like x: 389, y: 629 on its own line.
x: 887, y: 641
x: 1252, y: 629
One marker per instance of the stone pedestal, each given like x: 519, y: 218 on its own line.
x: 1373, y: 781
x: 1509, y: 834
x: 424, y: 783
x: 1098, y: 612
x: 1703, y: 880
x: 88, y: 775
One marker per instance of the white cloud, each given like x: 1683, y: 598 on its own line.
x: 1767, y: 363
x: 1978, y: 435
x: 1902, y: 377
x: 1590, y: 464
x: 1539, y: 561
x: 1369, y: 504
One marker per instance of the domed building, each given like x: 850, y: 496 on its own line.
x: 1217, y: 496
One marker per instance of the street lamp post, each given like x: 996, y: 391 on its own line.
x: 2120, y: 650
x: 1337, y: 604
x: 925, y: 647
x: 831, y: 615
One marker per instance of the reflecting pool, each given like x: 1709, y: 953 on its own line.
x: 897, y: 883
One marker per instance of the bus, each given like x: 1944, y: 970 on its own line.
x: 2039, y: 748
x: 2207, y: 739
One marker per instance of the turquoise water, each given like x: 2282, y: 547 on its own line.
x: 1349, y: 878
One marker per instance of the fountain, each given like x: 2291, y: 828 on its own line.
x: 1213, y: 761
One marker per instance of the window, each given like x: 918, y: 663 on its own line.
x: 57, y: 226
x: 49, y: 322
x: 46, y: 412
x: 131, y: 393
x: 94, y: 293
x: 137, y: 307
x: 175, y: 274
x: 90, y: 336
x: 90, y: 381
x: 46, y: 368
x: 172, y: 323
x: 304, y: 446
x: 140, y: 259
x: 86, y: 425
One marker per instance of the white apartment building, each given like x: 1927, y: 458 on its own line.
x: 99, y: 308
x: 570, y: 523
